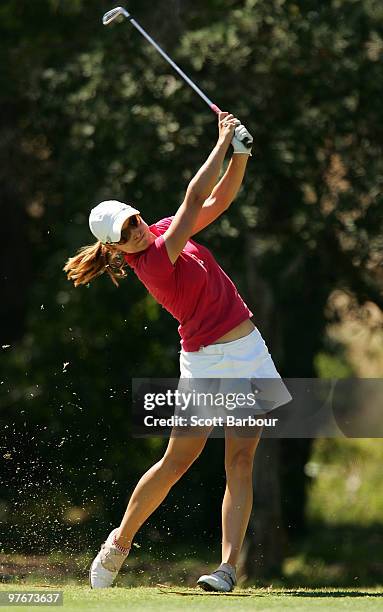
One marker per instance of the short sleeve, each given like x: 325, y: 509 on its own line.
x: 155, y: 263
x: 163, y: 224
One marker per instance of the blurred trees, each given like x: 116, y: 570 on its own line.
x: 90, y: 113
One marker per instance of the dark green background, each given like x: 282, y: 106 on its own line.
x: 91, y: 113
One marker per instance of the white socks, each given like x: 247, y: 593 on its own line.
x: 122, y: 549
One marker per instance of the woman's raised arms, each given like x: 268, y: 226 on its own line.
x: 223, y: 194
x: 199, y: 189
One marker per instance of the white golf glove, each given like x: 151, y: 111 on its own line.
x: 241, y: 134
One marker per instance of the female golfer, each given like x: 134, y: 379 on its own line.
x: 218, y: 339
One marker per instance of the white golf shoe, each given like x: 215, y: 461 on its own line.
x: 106, y: 565
x: 222, y: 579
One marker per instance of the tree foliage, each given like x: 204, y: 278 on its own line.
x: 90, y: 113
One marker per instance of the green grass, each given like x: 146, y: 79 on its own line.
x: 344, y: 556
x: 173, y: 598
x: 337, y: 565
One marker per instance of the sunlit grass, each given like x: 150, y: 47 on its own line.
x: 174, y: 599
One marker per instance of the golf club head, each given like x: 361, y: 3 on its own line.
x: 111, y: 15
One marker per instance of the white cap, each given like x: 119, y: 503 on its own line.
x: 108, y: 217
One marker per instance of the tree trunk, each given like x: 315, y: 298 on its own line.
x: 264, y: 546
x: 265, y: 543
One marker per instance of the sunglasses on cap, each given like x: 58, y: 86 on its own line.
x: 126, y: 232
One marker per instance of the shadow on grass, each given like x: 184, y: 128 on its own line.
x: 195, y: 593
x: 329, y: 593
x: 165, y: 590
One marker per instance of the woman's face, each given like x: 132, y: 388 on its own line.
x: 135, y: 236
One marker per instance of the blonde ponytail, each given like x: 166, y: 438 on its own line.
x: 92, y: 261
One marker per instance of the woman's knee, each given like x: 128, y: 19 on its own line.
x: 177, y: 466
x: 240, y: 464
x: 178, y: 463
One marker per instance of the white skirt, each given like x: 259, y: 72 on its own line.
x: 237, y: 377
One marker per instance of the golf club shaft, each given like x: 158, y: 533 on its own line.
x: 114, y: 13
x: 204, y: 97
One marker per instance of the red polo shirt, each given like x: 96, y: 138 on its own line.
x: 195, y: 290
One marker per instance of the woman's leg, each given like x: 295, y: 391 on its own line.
x: 156, y: 483
x: 238, y: 498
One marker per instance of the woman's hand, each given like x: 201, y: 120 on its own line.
x: 226, y: 127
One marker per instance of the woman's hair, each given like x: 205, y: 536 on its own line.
x: 92, y: 261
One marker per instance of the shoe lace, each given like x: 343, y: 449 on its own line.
x: 226, y: 576
x: 111, y: 558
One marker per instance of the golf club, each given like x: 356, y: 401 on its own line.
x: 119, y: 10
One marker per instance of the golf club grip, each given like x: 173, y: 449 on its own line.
x: 246, y: 141
x: 215, y: 108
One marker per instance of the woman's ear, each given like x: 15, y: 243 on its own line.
x: 115, y: 249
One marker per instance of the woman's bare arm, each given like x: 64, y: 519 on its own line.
x: 223, y: 193
x: 199, y: 189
